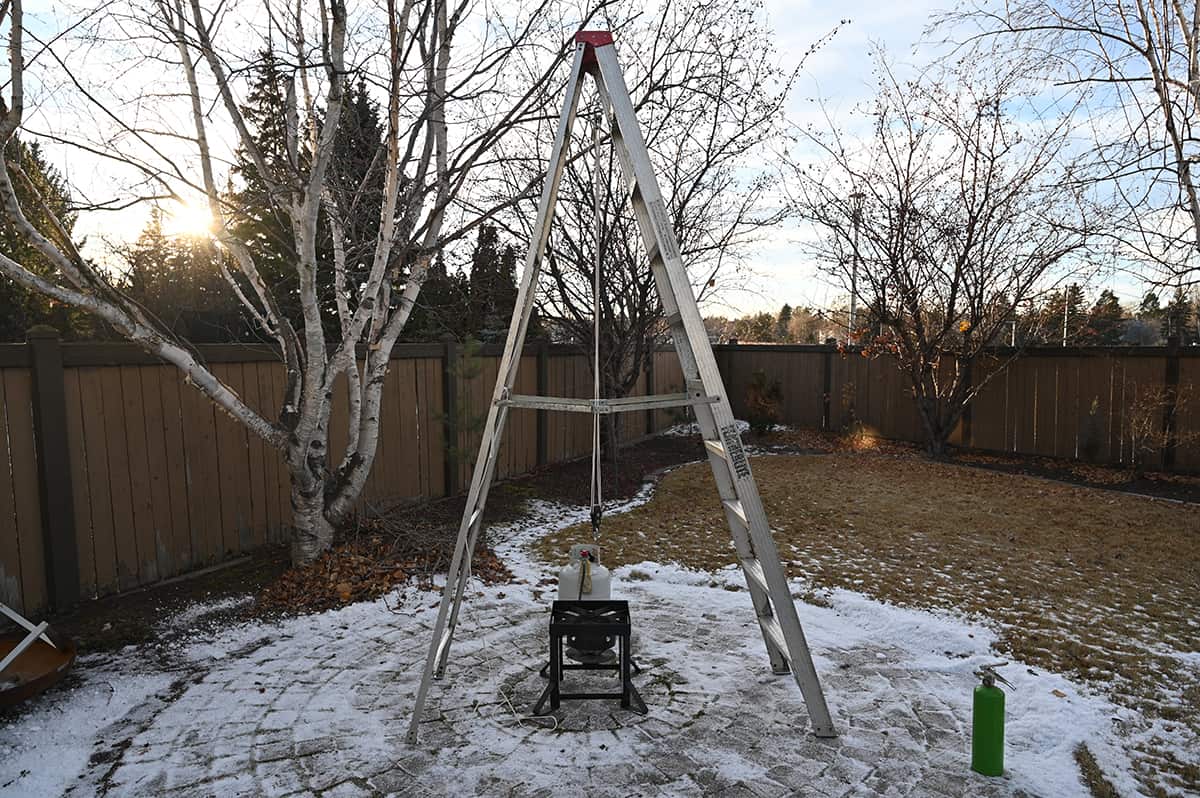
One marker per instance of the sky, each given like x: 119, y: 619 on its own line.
x: 839, y: 75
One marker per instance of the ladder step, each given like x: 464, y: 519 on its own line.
x: 625, y: 404
x: 475, y: 517
x: 754, y: 572
x: 734, y: 506
x: 770, y: 627
x: 675, y: 320
x: 716, y: 447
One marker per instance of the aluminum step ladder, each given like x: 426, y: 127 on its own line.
x: 786, y: 646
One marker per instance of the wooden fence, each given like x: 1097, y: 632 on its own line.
x: 114, y: 474
x: 1072, y: 403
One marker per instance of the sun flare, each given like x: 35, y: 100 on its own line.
x: 188, y: 219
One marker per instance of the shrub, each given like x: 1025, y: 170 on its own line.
x: 764, y: 397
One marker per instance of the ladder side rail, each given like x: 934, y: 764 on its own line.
x: 474, y: 525
x: 726, y: 488
x: 746, y: 550
x: 510, y: 359
x: 721, y: 412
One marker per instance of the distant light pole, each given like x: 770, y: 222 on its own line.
x: 855, y: 218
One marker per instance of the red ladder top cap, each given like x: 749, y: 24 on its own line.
x: 594, y: 38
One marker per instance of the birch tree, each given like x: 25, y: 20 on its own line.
x: 442, y: 68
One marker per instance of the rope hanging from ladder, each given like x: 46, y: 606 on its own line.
x: 597, y: 486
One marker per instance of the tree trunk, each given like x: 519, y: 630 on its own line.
x: 937, y: 432
x: 313, y: 532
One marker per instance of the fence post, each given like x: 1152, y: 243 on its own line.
x: 650, y: 388
x: 968, y: 434
x: 543, y: 386
x: 725, y: 366
x: 827, y: 385
x: 450, y: 413
x: 1171, y: 386
x: 55, y: 491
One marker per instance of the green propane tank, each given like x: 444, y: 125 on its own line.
x: 987, y: 723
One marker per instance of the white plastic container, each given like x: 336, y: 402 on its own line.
x: 584, y: 565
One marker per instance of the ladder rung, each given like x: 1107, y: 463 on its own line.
x: 716, y: 447
x: 754, y: 572
x: 770, y: 626
x: 626, y: 404
x: 675, y: 320
x: 475, y: 517
x: 734, y: 506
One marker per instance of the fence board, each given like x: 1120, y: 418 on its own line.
x: 140, y: 499
x: 116, y: 444
x: 264, y: 396
x: 84, y: 544
x: 257, y: 456
x: 12, y: 589
x: 431, y: 420
x: 156, y: 457
x: 203, y: 475
x: 183, y: 553
x: 283, y: 481
x: 1187, y: 419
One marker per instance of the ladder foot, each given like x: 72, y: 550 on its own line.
x: 781, y: 670
x: 825, y: 732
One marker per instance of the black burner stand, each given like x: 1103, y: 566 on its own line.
x: 590, y: 619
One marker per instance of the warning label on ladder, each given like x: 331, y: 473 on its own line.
x: 733, y: 448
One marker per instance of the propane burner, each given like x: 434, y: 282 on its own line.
x: 592, y: 620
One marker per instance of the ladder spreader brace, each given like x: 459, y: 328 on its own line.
x: 782, y: 634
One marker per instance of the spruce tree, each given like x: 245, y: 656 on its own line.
x: 1177, y: 319
x: 19, y: 308
x: 259, y: 220
x: 1105, y: 321
x: 178, y: 280
x: 783, y: 324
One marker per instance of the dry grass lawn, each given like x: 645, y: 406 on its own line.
x: 1096, y: 584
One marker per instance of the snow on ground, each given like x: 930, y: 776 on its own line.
x: 320, y: 704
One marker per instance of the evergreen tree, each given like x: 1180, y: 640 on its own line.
x: 492, y: 287
x: 259, y: 219
x: 356, y: 176
x: 1105, y: 323
x: 179, y: 281
x: 783, y: 324
x: 1149, y: 309
x: 1063, y: 319
x: 441, y: 307
x: 356, y: 180
x: 20, y: 309
x: 757, y: 327
x: 1178, y: 318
